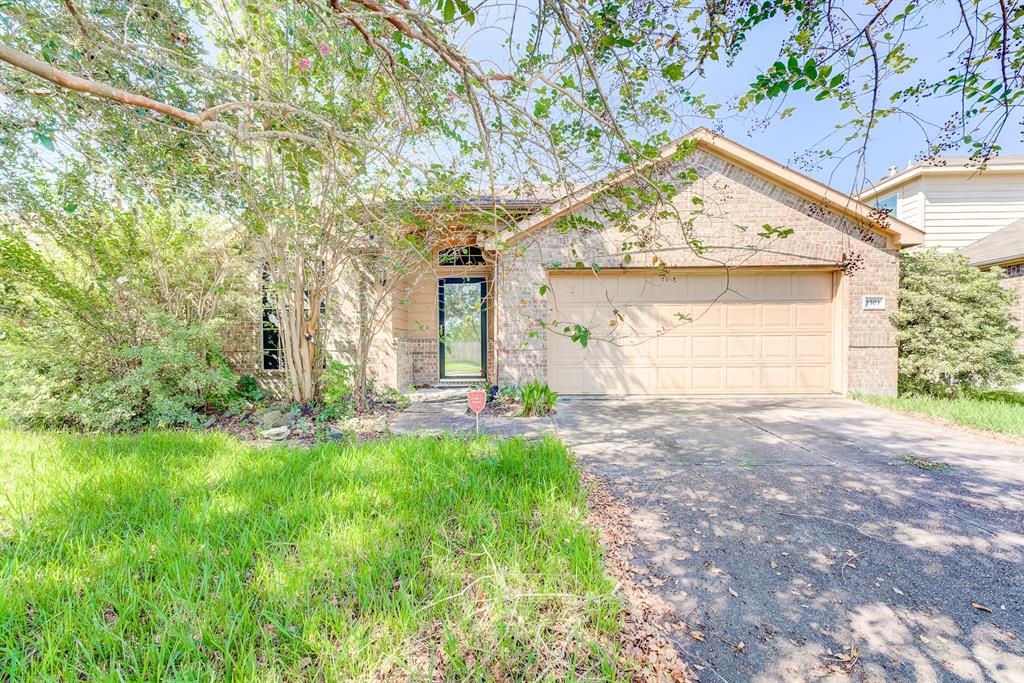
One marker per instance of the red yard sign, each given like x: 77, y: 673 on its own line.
x: 477, y: 400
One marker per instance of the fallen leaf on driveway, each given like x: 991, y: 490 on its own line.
x: 924, y: 640
x: 736, y: 595
x: 697, y: 635
x: 774, y: 565
x: 981, y: 607
x: 897, y: 590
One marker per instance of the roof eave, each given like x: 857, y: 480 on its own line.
x: 900, y: 233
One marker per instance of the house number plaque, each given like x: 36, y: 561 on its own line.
x: 874, y: 303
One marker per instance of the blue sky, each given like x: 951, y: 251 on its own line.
x: 895, y: 141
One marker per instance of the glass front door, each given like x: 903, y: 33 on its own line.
x: 462, y: 307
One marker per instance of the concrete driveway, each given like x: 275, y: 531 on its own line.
x: 799, y: 537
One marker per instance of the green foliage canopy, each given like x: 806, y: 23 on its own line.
x: 954, y: 326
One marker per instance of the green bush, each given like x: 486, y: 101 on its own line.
x: 337, y: 383
x: 109, y: 317
x: 537, y: 399
x: 954, y: 326
x: 170, y: 381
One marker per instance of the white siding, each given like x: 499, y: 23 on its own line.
x: 960, y: 209
x: 911, y: 203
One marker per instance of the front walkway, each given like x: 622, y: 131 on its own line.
x: 436, y: 411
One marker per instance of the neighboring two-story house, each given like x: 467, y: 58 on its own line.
x: 953, y: 202
x: 958, y: 206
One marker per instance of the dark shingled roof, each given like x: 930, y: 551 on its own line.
x: 1003, y: 246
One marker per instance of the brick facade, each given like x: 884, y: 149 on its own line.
x: 736, y: 204
x: 1014, y: 279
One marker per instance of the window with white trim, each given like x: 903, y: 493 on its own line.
x: 888, y: 203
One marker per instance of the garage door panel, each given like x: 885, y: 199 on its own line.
x: 742, y: 288
x: 812, y: 286
x: 777, y: 288
x: 673, y: 348
x: 705, y: 287
x: 669, y: 321
x: 708, y: 348
x: 741, y: 347
x: 648, y: 288
x: 707, y: 379
x: 610, y: 379
x: 598, y: 288
x: 813, y: 347
x: 813, y: 316
x: 778, y: 340
x: 777, y: 315
x: 777, y: 378
x: 813, y: 379
x: 673, y: 379
x: 708, y: 317
x: 741, y: 315
x: 777, y: 347
x: 741, y: 379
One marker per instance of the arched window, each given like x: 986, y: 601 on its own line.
x: 461, y: 256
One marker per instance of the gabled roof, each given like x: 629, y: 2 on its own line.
x: 902, y: 234
x: 1003, y: 247
x: 1009, y: 163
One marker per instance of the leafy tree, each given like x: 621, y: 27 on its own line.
x: 326, y: 127
x: 955, y: 328
x: 110, y: 317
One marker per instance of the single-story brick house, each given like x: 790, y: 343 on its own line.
x: 748, y: 312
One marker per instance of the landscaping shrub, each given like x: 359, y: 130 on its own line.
x: 169, y: 381
x: 338, y: 384
x: 109, y: 318
x: 537, y: 399
x: 954, y: 326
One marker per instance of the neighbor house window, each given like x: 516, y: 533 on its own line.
x: 460, y: 256
x: 271, y: 343
x: 888, y: 204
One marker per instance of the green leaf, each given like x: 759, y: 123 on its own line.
x: 811, y: 70
x: 673, y: 72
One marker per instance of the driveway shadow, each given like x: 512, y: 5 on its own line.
x: 797, y: 536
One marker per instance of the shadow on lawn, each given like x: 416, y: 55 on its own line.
x: 196, y: 554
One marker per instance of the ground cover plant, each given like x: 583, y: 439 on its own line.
x: 196, y: 556
x: 993, y: 411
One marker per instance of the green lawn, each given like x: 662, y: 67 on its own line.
x: 993, y: 411
x: 462, y: 366
x: 195, y: 556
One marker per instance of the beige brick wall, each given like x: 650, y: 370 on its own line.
x: 1014, y: 280
x: 736, y: 204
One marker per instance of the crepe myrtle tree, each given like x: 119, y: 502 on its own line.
x: 318, y: 121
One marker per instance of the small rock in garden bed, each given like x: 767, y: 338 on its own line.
x: 275, y: 418
x: 277, y: 433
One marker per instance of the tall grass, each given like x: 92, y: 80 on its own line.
x: 195, y: 556
x: 993, y: 411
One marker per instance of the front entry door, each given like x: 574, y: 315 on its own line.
x: 462, y: 312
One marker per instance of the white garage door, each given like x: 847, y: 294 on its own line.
x: 756, y: 332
